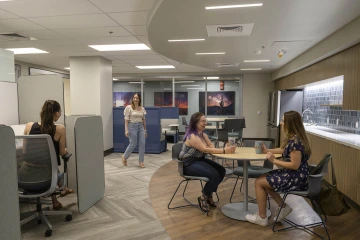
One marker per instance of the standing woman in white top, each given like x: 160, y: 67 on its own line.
x: 135, y: 129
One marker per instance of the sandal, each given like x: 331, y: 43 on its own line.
x: 124, y: 160
x: 211, y: 202
x: 203, y: 204
x: 67, y: 191
x: 57, y: 207
x: 141, y: 164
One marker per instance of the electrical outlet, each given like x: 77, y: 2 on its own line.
x: 327, y: 120
x: 337, y: 121
x: 357, y: 124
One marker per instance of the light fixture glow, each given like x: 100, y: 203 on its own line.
x: 135, y: 82
x: 115, y: 79
x: 196, y: 88
x: 190, y: 85
x: 120, y: 47
x: 250, y: 69
x: 67, y: 68
x: 234, y: 6
x: 211, y: 78
x: 250, y: 61
x: 185, y: 82
x: 156, y: 67
x: 26, y: 50
x: 187, y: 40
x: 210, y: 53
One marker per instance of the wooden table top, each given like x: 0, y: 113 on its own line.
x: 244, y: 153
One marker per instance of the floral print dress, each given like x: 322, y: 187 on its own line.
x: 284, y: 180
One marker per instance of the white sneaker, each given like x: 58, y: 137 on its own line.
x: 284, y: 212
x: 256, y: 219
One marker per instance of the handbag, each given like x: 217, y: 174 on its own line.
x: 331, y: 200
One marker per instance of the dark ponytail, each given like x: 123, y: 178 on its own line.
x: 48, y: 110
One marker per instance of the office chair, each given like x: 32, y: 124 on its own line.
x: 235, y: 126
x: 38, y: 175
x: 253, y: 171
x: 176, y: 149
x: 314, y: 188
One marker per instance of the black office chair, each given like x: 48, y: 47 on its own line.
x: 253, y: 171
x: 314, y: 188
x: 38, y: 175
x: 235, y: 126
x: 176, y: 149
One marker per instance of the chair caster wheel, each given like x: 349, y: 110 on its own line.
x: 68, y: 218
x: 39, y: 221
x: 48, y: 232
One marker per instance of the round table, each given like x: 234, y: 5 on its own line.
x: 239, y: 210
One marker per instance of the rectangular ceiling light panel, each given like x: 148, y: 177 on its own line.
x: 26, y: 50
x: 234, y: 6
x: 156, y: 67
x: 120, y: 47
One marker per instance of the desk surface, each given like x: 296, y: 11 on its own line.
x: 244, y: 153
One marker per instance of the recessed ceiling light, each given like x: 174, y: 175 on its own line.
x: 156, y: 67
x: 234, y: 6
x: 120, y: 47
x: 185, y: 82
x: 211, y: 77
x: 250, y: 69
x: 195, y: 88
x: 67, y: 68
x: 115, y: 79
x: 26, y: 50
x: 257, y: 61
x: 187, y: 40
x: 190, y: 85
x: 210, y: 53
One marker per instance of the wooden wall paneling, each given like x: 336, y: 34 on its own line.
x: 318, y: 71
x: 334, y: 65
x: 351, y: 97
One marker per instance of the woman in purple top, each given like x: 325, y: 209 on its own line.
x: 294, y: 171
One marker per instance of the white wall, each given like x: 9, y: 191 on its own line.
x: 255, y: 98
x: 7, y: 69
x: 9, y: 108
x: 67, y: 100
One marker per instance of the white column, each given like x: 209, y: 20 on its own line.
x: 91, y: 91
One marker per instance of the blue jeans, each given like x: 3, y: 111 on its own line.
x: 136, y: 134
x: 209, y: 169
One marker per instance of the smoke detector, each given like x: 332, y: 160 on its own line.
x: 12, y: 36
x: 221, y: 65
x: 230, y: 30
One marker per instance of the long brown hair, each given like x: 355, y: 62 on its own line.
x: 132, y: 102
x: 192, y: 128
x: 293, y: 126
x: 48, y: 110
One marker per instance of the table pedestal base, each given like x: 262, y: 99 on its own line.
x: 236, y: 210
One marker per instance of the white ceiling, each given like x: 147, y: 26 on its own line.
x: 65, y: 28
x: 305, y: 21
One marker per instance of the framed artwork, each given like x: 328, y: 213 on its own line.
x: 218, y: 103
x: 122, y: 99
x: 164, y: 99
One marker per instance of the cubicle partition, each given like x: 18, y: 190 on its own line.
x: 154, y: 143
x: 9, y: 109
x: 84, y: 137
x: 9, y: 207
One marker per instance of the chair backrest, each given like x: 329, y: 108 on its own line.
x: 317, y: 174
x: 222, y: 135
x: 184, y: 122
x: 176, y: 149
x: 234, y: 124
x: 251, y: 143
x: 37, y: 165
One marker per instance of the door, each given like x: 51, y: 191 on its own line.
x: 270, y: 104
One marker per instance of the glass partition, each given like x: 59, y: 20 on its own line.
x: 123, y: 92
x: 158, y: 93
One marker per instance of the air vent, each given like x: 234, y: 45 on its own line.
x: 221, y: 65
x: 15, y: 36
x: 229, y: 30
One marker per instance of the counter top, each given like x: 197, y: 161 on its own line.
x: 345, y: 138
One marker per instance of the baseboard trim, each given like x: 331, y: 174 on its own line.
x: 108, y: 152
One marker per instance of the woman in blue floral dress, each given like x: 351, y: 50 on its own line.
x: 294, y: 170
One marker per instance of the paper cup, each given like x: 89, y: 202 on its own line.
x: 258, y: 148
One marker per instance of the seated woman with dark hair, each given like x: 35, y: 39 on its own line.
x: 196, y: 146
x: 50, y: 113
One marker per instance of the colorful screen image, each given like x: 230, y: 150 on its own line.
x: 122, y: 99
x: 218, y: 103
x: 164, y: 99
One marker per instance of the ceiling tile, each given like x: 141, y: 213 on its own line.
x: 144, y: 39
x: 94, y: 32
x: 123, y: 5
x: 140, y: 57
x: 49, y: 42
x: 75, y: 21
x: 42, y: 8
x: 43, y: 34
x: 18, y: 25
x: 109, y: 40
x: 130, y: 18
x: 8, y: 44
x: 137, y: 30
x: 6, y: 15
x: 125, y: 69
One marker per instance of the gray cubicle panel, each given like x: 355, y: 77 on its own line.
x: 33, y: 91
x: 9, y: 200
